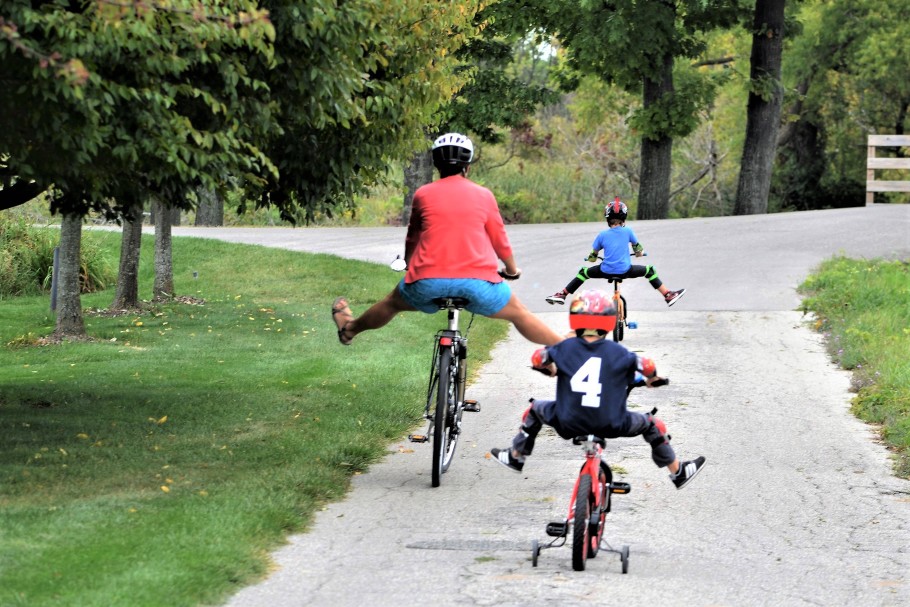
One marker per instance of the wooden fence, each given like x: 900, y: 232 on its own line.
x: 873, y: 163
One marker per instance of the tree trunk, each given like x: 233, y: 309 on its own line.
x: 654, y: 189
x: 763, y: 110
x: 163, y: 288
x: 209, y: 208
x: 417, y: 173
x: 127, y: 296
x: 69, y: 309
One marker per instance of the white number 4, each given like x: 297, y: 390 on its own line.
x: 586, y: 381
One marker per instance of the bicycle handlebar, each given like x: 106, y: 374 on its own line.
x: 601, y: 258
x: 658, y: 382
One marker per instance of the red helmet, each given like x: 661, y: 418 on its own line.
x: 616, y: 210
x: 592, y: 310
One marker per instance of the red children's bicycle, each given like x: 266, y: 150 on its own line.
x: 591, y: 498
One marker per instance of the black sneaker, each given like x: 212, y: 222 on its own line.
x: 673, y: 296
x: 558, y: 298
x: 504, y: 457
x: 687, y: 471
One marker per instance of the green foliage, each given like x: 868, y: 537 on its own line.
x: 203, y: 432
x: 678, y: 114
x: 849, y: 68
x: 123, y: 100
x: 27, y: 260
x: 862, y: 310
x: 354, y: 87
x: 509, y: 79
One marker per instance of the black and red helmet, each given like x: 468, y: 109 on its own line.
x: 594, y: 310
x: 616, y: 210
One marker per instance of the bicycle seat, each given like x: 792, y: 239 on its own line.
x: 444, y: 303
x: 589, y: 437
x: 616, y: 279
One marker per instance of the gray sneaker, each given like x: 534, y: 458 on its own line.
x: 687, y: 471
x: 504, y: 457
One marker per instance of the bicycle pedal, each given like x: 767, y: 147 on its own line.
x: 620, y: 488
x: 418, y: 438
x: 472, y: 406
x: 558, y: 529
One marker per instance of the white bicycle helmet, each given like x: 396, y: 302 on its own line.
x: 453, y: 148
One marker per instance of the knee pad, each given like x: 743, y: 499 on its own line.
x: 530, y: 418
x: 650, y: 272
x: 582, y: 274
x: 656, y: 424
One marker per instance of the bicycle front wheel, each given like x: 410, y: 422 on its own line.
x: 598, y: 517
x: 620, y: 328
x: 445, y: 433
x: 580, y: 530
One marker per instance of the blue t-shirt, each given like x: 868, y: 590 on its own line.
x: 615, y: 244
x: 592, y: 386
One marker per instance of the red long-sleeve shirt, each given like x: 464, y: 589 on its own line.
x: 455, y: 231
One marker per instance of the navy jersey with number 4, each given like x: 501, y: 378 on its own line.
x: 592, y: 386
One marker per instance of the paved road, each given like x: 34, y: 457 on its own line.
x: 797, y: 506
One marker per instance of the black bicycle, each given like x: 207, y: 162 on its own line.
x: 445, y: 393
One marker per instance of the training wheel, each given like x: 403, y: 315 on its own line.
x: 535, y: 552
x: 624, y: 555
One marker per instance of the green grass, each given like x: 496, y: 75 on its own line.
x: 863, y: 310
x: 160, y: 463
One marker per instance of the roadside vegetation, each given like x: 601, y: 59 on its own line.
x: 861, y: 307
x: 160, y: 461
x: 27, y: 259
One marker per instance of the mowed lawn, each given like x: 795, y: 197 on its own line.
x: 160, y: 461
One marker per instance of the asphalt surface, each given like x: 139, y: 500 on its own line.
x: 797, y: 505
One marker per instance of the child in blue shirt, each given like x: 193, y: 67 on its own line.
x: 594, y: 377
x: 617, y: 263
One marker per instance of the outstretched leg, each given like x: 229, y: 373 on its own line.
x: 378, y: 315
x: 532, y: 420
x: 530, y: 326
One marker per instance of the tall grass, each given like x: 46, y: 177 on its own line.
x: 160, y: 463
x: 862, y: 308
x: 27, y: 259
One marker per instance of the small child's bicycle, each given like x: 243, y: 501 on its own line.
x: 591, y: 499
x: 622, y: 309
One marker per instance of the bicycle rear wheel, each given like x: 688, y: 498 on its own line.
x: 445, y: 434
x: 580, y: 542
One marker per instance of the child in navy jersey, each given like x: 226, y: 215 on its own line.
x: 594, y: 377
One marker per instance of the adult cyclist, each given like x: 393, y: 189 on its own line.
x: 455, y: 239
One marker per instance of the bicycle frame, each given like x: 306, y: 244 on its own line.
x: 590, y: 468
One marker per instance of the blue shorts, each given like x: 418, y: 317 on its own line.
x: 487, y: 298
